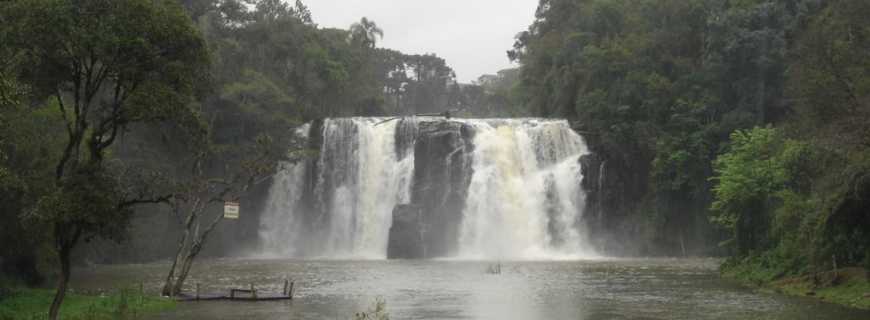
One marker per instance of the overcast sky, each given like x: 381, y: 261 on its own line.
x: 472, y: 35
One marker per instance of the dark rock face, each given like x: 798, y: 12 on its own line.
x: 604, y: 205
x: 614, y: 195
x: 592, y: 167
x: 442, y: 173
x: 315, y: 202
x: 406, y: 234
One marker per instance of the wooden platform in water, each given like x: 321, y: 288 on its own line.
x: 225, y: 297
x: 251, y: 295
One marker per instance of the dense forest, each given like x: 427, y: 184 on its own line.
x: 725, y: 128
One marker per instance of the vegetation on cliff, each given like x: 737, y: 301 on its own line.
x: 741, y: 124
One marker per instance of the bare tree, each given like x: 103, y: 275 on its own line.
x: 206, y: 189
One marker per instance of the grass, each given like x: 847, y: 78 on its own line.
x: 32, y: 304
x: 847, y: 286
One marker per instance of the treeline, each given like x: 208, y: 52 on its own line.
x: 736, y: 127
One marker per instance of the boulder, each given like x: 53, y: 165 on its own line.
x: 406, y: 233
x: 442, y: 174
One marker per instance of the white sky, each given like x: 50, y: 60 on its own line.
x: 472, y: 35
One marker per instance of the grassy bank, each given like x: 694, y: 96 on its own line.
x: 847, y: 286
x: 122, y: 304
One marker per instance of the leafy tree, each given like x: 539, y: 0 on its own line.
x: 105, y: 65
x: 747, y: 177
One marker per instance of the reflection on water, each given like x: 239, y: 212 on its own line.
x: 587, y: 290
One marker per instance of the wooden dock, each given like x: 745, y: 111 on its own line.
x: 250, y: 295
x: 224, y: 297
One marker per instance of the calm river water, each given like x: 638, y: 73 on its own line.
x: 585, y: 290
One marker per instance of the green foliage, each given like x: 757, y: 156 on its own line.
x: 131, y: 46
x: 662, y: 87
x: 417, y: 83
x: 658, y: 86
x: 797, y: 204
x: 491, y: 96
x: 746, y: 176
x: 105, y: 64
x: 758, y: 269
x: 89, y: 200
x: 30, y: 140
x: 850, y: 293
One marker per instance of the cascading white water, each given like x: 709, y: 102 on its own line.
x: 280, y: 224
x: 522, y: 199
x: 358, y: 163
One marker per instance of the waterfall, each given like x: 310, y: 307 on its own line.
x: 464, y: 188
x: 524, y: 200
x: 352, y: 188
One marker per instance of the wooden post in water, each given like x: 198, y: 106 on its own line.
x: 197, y: 291
x: 285, y: 287
x: 290, y: 291
x: 253, y: 293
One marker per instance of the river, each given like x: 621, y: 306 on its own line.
x: 446, y: 289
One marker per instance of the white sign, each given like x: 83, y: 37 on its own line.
x: 231, y: 210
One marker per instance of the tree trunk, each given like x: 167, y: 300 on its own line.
x: 64, y: 256
x: 192, y: 217
x: 167, y: 285
x: 184, y: 271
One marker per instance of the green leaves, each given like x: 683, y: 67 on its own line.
x: 661, y: 84
x: 754, y: 180
x: 87, y: 201
x: 101, y: 65
x: 103, y: 52
x: 752, y: 169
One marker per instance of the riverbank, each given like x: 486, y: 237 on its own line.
x: 846, y: 286
x: 122, y: 304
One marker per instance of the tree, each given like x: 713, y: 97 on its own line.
x: 746, y: 178
x: 366, y: 33
x: 105, y: 64
x: 27, y: 139
x: 208, y: 187
x: 302, y: 12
